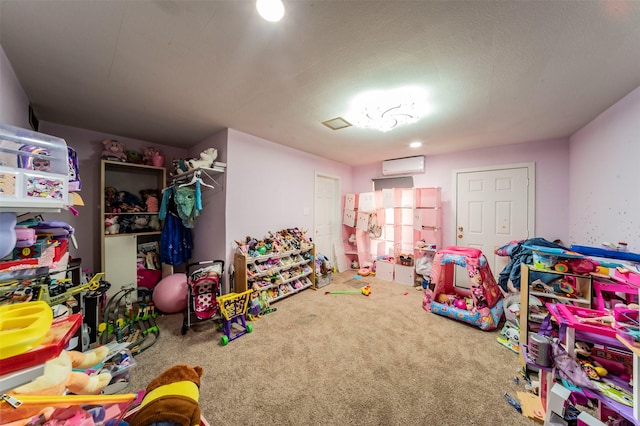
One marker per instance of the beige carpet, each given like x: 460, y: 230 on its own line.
x: 338, y: 359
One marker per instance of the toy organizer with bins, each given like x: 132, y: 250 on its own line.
x: 279, y: 274
x: 275, y: 267
x: 34, y: 171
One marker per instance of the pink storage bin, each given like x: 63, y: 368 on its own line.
x: 25, y: 236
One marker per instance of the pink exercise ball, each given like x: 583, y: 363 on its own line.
x: 170, y: 294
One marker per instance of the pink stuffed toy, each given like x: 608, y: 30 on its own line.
x: 113, y: 150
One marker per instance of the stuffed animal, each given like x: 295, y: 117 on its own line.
x: 113, y: 150
x: 171, y: 397
x: 111, y: 225
x: 59, y: 377
x: 152, y: 157
x: 154, y: 222
x: 179, y: 167
x: 134, y: 157
x: 207, y: 157
x: 140, y: 222
x: 128, y: 202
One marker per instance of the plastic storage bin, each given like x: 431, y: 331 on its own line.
x: 34, y: 170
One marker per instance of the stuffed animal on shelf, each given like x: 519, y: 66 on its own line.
x: 154, y: 222
x: 111, y: 225
x: 207, y: 157
x: 179, y: 167
x: 152, y: 156
x: 140, y: 222
x: 59, y: 376
x: 171, y: 397
x: 591, y: 367
x: 113, y: 150
x: 133, y: 156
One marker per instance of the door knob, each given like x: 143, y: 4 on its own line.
x: 460, y: 228
x: 460, y: 235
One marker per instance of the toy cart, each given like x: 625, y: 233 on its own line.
x: 233, y: 307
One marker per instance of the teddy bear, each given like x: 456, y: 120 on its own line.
x: 58, y: 377
x: 111, y: 225
x: 207, y: 157
x: 113, y: 150
x: 171, y: 397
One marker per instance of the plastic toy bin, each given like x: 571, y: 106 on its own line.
x: 34, y: 169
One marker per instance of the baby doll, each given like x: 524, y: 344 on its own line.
x: 150, y: 200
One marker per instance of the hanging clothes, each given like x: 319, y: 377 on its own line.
x: 185, y: 201
x: 177, y: 241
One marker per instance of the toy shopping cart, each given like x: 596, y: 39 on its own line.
x: 233, y: 307
x: 204, y: 283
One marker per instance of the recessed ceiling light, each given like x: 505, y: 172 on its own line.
x: 415, y: 144
x: 337, y: 123
x: 270, y: 10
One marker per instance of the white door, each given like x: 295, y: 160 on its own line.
x: 327, y: 219
x: 495, y: 206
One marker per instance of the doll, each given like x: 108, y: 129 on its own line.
x: 150, y: 199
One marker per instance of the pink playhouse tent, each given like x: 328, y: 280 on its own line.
x: 481, y: 305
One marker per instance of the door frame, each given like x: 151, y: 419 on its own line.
x: 531, y: 192
x: 336, y: 232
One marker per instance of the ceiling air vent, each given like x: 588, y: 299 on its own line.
x: 337, y: 123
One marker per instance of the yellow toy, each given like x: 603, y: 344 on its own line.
x: 23, y: 326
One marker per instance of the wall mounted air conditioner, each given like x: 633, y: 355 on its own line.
x: 399, y: 166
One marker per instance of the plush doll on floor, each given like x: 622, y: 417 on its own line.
x: 58, y: 378
x: 172, y: 398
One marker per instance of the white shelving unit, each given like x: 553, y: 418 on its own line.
x: 268, y: 270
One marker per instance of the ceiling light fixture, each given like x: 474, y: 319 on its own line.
x: 415, y: 144
x: 270, y: 10
x: 386, y: 110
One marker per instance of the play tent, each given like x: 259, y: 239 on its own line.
x: 481, y: 303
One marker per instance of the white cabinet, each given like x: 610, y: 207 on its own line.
x: 120, y: 249
x: 118, y: 264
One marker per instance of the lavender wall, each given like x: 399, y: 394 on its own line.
x: 551, y: 160
x: 14, y: 105
x: 269, y: 186
x: 209, y: 234
x: 604, y: 201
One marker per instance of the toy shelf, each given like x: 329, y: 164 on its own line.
x: 244, y: 277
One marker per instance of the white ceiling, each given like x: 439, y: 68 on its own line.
x: 175, y: 72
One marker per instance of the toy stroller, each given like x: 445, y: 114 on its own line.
x: 204, y: 282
